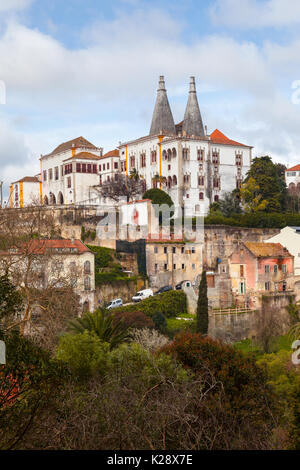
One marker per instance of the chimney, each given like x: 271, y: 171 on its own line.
x: 192, y: 123
x: 162, y: 119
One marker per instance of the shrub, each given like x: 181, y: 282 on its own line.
x: 134, y: 319
x: 169, y: 303
x: 149, y: 339
x: 249, y: 402
x: 103, y: 256
x: 84, y: 353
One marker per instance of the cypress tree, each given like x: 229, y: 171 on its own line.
x: 202, y: 306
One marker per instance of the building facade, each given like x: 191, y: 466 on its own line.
x: 25, y: 192
x: 259, y: 268
x: 196, y: 169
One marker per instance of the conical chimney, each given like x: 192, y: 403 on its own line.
x: 162, y: 120
x: 192, y: 123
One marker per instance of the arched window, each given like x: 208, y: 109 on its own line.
x: 201, y: 196
x: 169, y: 154
x: 174, y: 180
x: 46, y: 201
x: 87, y: 267
x: 169, y: 182
x: 216, y: 198
x: 164, y: 155
x: 174, y: 153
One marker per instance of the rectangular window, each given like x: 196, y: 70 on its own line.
x: 275, y: 268
x: 155, y: 249
x: 155, y: 266
x: 50, y: 174
x: 165, y: 249
x: 267, y: 268
x: 108, y: 166
x: 94, y: 168
x: 116, y: 165
x: 89, y: 168
x: 182, y: 249
x: 103, y: 166
x: 45, y: 177
x: 56, y: 173
x: 174, y: 249
x: 284, y: 268
x: 99, y: 167
x: 69, y: 182
x: 165, y: 267
x: 182, y: 266
x: 174, y: 266
x: 78, y: 167
x: 84, y: 168
x: 242, y: 288
x: 193, y: 249
x: 267, y: 286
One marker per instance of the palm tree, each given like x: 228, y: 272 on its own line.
x: 104, y: 325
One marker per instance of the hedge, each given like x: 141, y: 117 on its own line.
x: 170, y: 304
x: 255, y: 220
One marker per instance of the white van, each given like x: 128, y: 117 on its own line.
x: 114, y: 304
x: 142, y: 294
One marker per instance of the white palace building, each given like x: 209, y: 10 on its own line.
x: 195, y: 168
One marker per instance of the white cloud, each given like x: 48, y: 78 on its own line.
x: 11, y: 5
x: 106, y: 89
x: 254, y: 14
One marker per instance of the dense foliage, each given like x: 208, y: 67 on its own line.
x: 169, y: 303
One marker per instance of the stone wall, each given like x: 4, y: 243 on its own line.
x: 123, y: 290
x: 236, y: 327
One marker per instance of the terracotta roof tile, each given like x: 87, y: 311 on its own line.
x: 294, y: 168
x: 217, y: 137
x: 41, y: 246
x: 28, y: 179
x: 112, y: 153
x: 78, y: 142
x: 267, y: 250
x: 84, y: 156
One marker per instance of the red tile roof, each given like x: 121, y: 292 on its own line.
x: 74, y: 143
x: 112, y: 153
x: 294, y: 168
x: 217, y: 137
x: 84, y: 156
x: 267, y: 250
x: 41, y: 246
x: 28, y: 179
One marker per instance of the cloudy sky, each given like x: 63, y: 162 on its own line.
x: 90, y: 67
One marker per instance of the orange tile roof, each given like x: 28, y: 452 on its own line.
x: 28, y: 179
x: 217, y: 137
x: 84, y: 156
x: 112, y: 153
x: 268, y: 250
x: 78, y: 142
x: 294, y: 168
x: 41, y: 246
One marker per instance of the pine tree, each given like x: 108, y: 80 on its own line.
x: 202, y: 306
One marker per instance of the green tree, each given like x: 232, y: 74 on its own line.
x: 103, y: 324
x: 251, y: 197
x: 11, y: 301
x: 202, y: 306
x: 268, y: 184
x: 230, y: 204
x: 85, y: 354
x: 159, y: 198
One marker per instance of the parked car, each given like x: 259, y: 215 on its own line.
x: 163, y: 289
x: 142, y: 294
x: 115, y: 303
x: 182, y: 284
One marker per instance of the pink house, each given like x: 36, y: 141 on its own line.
x: 260, y: 268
